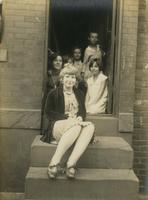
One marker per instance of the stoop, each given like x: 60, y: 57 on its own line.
x: 91, y: 184
x: 104, y: 170
x: 108, y: 152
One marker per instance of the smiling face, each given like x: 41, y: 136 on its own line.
x: 95, y: 67
x: 57, y: 63
x: 93, y: 38
x: 69, y: 80
x: 77, y: 54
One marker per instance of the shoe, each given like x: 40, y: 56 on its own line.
x: 70, y: 172
x: 52, y: 171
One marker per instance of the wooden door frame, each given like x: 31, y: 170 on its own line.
x: 117, y: 54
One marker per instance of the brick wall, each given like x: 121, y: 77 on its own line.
x: 140, y: 138
x: 128, y: 46
x: 21, y: 77
x: 24, y: 38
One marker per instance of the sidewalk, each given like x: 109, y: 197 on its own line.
x: 20, y: 196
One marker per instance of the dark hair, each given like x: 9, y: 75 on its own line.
x: 92, y: 32
x: 52, y: 58
x: 98, y: 61
x: 76, y: 47
x: 66, y: 58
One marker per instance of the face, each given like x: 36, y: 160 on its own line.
x: 77, y: 54
x: 70, y: 61
x: 93, y: 38
x: 95, y: 68
x: 57, y: 63
x: 69, y: 80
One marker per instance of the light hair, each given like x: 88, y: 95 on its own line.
x: 69, y: 69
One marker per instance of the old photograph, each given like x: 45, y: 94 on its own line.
x: 73, y: 99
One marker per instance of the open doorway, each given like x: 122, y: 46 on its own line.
x: 70, y: 23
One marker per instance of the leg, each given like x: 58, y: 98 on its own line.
x: 66, y: 141
x: 81, y: 144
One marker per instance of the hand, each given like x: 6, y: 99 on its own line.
x: 79, y: 119
x: 85, y: 123
x: 95, y: 140
x: 73, y: 121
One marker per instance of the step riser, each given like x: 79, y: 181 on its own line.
x: 78, y: 190
x: 105, y: 126
x: 92, y: 158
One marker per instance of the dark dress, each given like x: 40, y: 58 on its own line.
x: 55, y: 110
x: 51, y: 83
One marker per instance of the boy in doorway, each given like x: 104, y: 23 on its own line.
x: 77, y: 62
x: 93, y: 49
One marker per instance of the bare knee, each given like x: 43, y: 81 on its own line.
x: 90, y: 128
x: 77, y: 128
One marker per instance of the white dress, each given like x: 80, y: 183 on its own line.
x: 96, y: 96
x: 90, y: 52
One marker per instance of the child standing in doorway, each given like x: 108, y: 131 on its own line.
x: 78, y: 64
x: 93, y: 49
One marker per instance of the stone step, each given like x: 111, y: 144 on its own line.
x: 106, y: 125
x: 90, y: 184
x: 108, y: 152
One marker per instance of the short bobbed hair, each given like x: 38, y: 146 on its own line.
x: 52, y: 58
x: 98, y: 61
x: 69, y: 69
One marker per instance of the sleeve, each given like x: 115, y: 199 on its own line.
x: 86, y: 56
x: 87, y: 95
x: 50, y: 108
x: 82, y: 109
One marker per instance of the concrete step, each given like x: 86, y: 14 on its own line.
x: 108, y: 152
x: 90, y: 184
x: 106, y: 125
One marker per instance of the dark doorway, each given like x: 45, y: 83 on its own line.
x: 71, y: 21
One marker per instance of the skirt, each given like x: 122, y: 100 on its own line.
x: 61, y: 126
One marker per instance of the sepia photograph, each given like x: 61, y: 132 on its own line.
x: 73, y: 99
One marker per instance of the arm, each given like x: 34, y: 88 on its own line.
x: 86, y: 57
x: 81, y: 101
x: 87, y: 99
x: 50, y: 108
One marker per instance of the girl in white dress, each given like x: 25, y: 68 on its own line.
x: 96, y: 96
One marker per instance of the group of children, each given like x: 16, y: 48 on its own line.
x: 92, y: 80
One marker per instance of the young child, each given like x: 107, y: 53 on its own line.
x: 67, y: 59
x: 93, y: 49
x: 96, y: 96
x: 77, y: 62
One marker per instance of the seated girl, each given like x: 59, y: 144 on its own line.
x: 96, y: 96
x: 55, y: 66
x: 65, y: 109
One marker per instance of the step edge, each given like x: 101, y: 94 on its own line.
x: 130, y: 175
x: 126, y: 147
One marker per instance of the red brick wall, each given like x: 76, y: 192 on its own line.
x: 140, y: 137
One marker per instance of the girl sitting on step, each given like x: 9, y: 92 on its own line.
x: 97, y: 92
x: 65, y: 108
